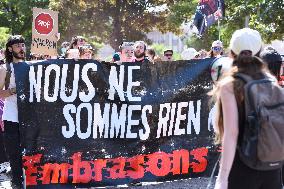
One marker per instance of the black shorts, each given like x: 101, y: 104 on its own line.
x: 243, y: 177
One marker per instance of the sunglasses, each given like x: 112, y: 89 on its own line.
x: 197, y: 56
x: 216, y: 48
x: 168, y: 54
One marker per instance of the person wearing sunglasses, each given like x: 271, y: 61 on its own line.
x: 168, y: 55
x: 216, y: 49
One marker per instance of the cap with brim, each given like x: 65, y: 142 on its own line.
x: 15, y: 40
x: 217, y: 43
x: 246, y: 39
x: 270, y: 56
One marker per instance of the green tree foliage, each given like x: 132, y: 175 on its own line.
x: 81, y: 17
x: 112, y: 21
x: 267, y: 16
x: 4, y: 34
x: 160, y: 48
x: 17, y: 15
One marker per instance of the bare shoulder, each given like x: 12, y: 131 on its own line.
x: 226, y: 85
x: 2, y: 76
x: 2, y: 70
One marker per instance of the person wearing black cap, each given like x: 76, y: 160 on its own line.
x: 15, y: 53
x: 273, y: 60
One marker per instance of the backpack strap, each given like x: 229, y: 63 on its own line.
x: 244, y: 77
x: 8, y: 75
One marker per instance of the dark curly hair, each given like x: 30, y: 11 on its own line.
x: 14, y: 39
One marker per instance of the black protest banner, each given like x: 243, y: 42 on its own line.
x: 86, y: 123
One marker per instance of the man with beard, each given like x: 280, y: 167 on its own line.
x: 15, y: 53
x: 139, y: 51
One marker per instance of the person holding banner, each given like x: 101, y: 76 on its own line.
x: 139, y: 51
x: 216, y: 49
x: 151, y: 55
x: 127, y: 52
x: 15, y: 53
x: 86, y: 52
x: 168, y: 55
x: 116, y: 58
x: 73, y: 49
x: 230, y: 116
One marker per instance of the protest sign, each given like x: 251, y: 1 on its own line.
x: 86, y: 123
x: 44, y: 31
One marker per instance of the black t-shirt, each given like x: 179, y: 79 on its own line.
x: 143, y: 60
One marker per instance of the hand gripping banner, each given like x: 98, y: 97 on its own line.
x: 85, y: 123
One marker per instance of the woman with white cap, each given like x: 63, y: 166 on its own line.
x: 245, y: 44
x: 216, y: 49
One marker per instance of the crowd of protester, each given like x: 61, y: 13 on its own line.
x: 79, y: 48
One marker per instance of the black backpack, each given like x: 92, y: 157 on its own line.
x: 262, y: 145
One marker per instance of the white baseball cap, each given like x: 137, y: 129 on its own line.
x: 217, y: 43
x: 246, y: 39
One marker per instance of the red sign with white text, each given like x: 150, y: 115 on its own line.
x: 44, y: 32
x: 44, y: 23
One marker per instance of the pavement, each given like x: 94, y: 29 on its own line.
x: 194, y: 183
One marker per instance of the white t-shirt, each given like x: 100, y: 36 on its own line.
x: 10, y: 110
